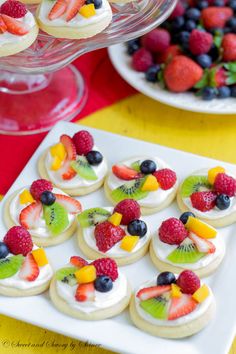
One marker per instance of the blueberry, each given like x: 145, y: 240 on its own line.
x: 208, y: 93
x: 219, y: 3
x: 151, y: 73
x: 137, y: 228
x: 233, y: 91
x: 231, y: 22
x: 183, y: 37
x: 222, y: 201
x: 148, y: 166
x: 190, y: 25
x: 177, y: 23
x: 223, y: 92
x: 232, y: 4
x: 166, y: 278
x: 184, y: 217
x: 202, y: 4
x: 103, y: 284
x: 214, y: 53
x: 204, y: 60
x: 97, y: 3
x: 227, y: 30
x: 47, y: 198
x: 94, y: 157
x: 132, y: 46
x: 193, y: 14
x: 4, y: 251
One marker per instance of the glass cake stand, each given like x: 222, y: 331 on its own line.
x: 38, y: 87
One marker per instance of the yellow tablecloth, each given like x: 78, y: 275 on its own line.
x: 141, y: 118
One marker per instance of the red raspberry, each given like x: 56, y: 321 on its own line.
x: 188, y: 281
x: 225, y: 184
x: 200, y: 42
x: 83, y: 141
x: 129, y: 209
x: 172, y: 231
x: 39, y: 186
x: 18, y: 240
x: 106, y: 266
x: 179, y: 10
x: 142, y: 60
x: 158, y: 40
x: 107, y: 235
x: 166, y: 178
x: 203, y: 201
x: 13, y: 9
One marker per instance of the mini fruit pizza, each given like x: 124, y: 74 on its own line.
x: 173, y: 306
x: 90, y: 290
x: 120, y: 232
x: 48, y: 213
x: 74, y: 164
x: 210, y: 195
x: 187, y: 242
x: 148, y: 180
x: 24, y: 268
x: 18, y: 28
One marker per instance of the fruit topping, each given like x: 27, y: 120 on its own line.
x: 201, y: 294
x: 186, y: 252
x: 202, y: 244
x: 67, y: 172
x: 203, y: 201
x: 152, y: 291
x: 56, y: 218
x: 157, y: 307
x: 150, y: 184
x: 26, y: 197
x: 83, y: 169
x: 18, y: 240
x: 47, y: 198
x: 29, y: 270
x: 172, y: 231
x: 184, y: 217
x: 194, y: 184
x: 30, y: 215
x: 4, y: 250
x: 83, y: 141
x: 222, y: 201
x: 166, y: 178
x: 13, y: 9
x: 106, y: 266
x: 181, y: 306
x: 213, y: 172
x: 40, y: 256
x: 128, y: 243
x: 78, y: 261
x: 85, y: 292
x: 129, y: 209
x: 93, y: 216
x: 3, y: 27
x: 86, y: 274
x: 115, y: 219
x: 94, y: 158
x: 10, y: 266
x: 148, y: 166
x: 130, y: 189
x: 73, y: 7
x: 58, y: 150
x: 103, y: 284
x: 107, y: 235
x: 72, y: 205
x: 225, y: 184
x: 200, y: 228
x: 136, y: 165
x: 175, y: 291
x: 166, y: 278
x: 56, y: 163
x: 67, y: 275
x: 125, y: 173
x: 87, y: 10
x: 137, y: 228
x: 188, y: 282
x: 39, y: 186
x: 58, y: 9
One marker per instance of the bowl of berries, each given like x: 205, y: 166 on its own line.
x: 189, y: 62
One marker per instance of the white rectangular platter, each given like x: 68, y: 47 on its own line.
x: 118, y: 333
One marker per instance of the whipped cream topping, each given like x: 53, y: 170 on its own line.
x: 153, y: 199
x: 77, y: 181
x: 41, y: 230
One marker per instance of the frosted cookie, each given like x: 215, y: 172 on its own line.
x: 90, y: 291
x: 146, y: 179
x: 188, y: 243
x: 18, y: 28
x: 48, y: 213
x: 120, y: 232
x: 75, y: 164
x: 172, y: 308
x: 210, y: 195
x: 24, y: 268
x: 74, y: 19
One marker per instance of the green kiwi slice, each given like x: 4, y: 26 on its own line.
x: 186, y: 252
x: 56, y: 218
x: 136, y: 165
x: 157, y: 307
x: 93, y: 216
x: 194, y: 184
x: 130, y: 189
x: 66, y: 275
x: 9, y: 266
x: 83, y: 169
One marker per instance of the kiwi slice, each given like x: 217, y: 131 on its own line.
x: 10, y: 266
x: 56, y: 217
x: 157, y: 307
x: 194, y: 184
x: 83, y: 168
x: 186, y: 252
x: 93, y: 216
x: 66, y: 275
x: 129, y: 190
x: 136, y: 165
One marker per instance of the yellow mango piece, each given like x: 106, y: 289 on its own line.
x: 56, y: 163
x: 86, y: 274
x: 150, y: 184
x: 40, y: 257
x: 129, y: 242
x: 201, y: 294
x: 87, y: 10
x: 175, y: 290
x: 58, y: 150
x: 26, y: 197
x: 115, y: 219
x: 213, y: 172
x: 200, y: 228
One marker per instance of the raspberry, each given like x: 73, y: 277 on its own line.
x: 179, y: 10
x: 107, y: 235
x: 158, y: 40
x: 13, y: 9
x: 200, y: 42
x: 142, y: 60
x: 129, y: 209
x: 166, y: 178
x: 225, y: 184
x: 18, y: 240
x: 203, y: 201
x: 39, y: 186
x: 172, y: 231
x: 106, y: 266
x: 188, y: 281
x: 83, y: 141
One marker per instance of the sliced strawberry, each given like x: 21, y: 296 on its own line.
x: 124, y: 172
x: 78, y: 261
x: 66, y: 171
x: 15, y: 26
x: 3, y: 26
x: 29, y: 270
x: 85, y: 292
x: 58, y: 9
x: 181, y: 306
x: 153, y: 291
x: 29, y: 216
x: 202, y: 244
x: 73, y: 8
x: 73, y: 206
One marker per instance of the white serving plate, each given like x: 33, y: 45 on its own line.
x: 187, y: 101
x: 118, y: 333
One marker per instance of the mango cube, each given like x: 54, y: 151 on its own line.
x: 58, y: 150
x: 213, y: 172
x: 175, y: 291
x: 87, y: 10
x: 115, y: 219
x: 86, y: 274
x: 201, y: 294
x: 40, y: 257
x: 150, y: 184
x: 26, y: 197
x: 200, y: 228
x: 129, y: 242
x: 56, y: 163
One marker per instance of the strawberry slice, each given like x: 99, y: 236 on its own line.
x: 29, y: 216
x: 181, y: 306
x: 85, y: 292
x: 29, y: 270
x: 73, y: 206
x: 58, y: 9
x: 15, y: 26
x: 153, y: 291
x: 124, y: 172
x: 66, y: 171
x: 73, y: 8
x: 3, y: 26
x: 78, y: 261
x: 202, y: 244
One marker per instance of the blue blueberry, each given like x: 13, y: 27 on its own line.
x: 97, y: 3
x: 148, y: 166
x: 103, y: 284
x: 208, y: 93
x: 193, y: 14
x: 202, y: 4
x: 166, y: 278
x: 4, y: 251
x: 224, y: 92
x: 183, y: 37
x: 94, y: 157
x: 232, y: 4
x: 151, y: 73
x: 47, y: 198
x: 233, y: 91
x: 190, y: 25
x: 214, y: 53
x: 219, y: 3
x: 132, y: 46
x: 184, y: 217
x: 222, y: 201
x: 137, y: 228
x: 177, y: 23
x: 204, y: 61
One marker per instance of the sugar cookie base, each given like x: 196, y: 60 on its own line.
x: 10, y: 291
